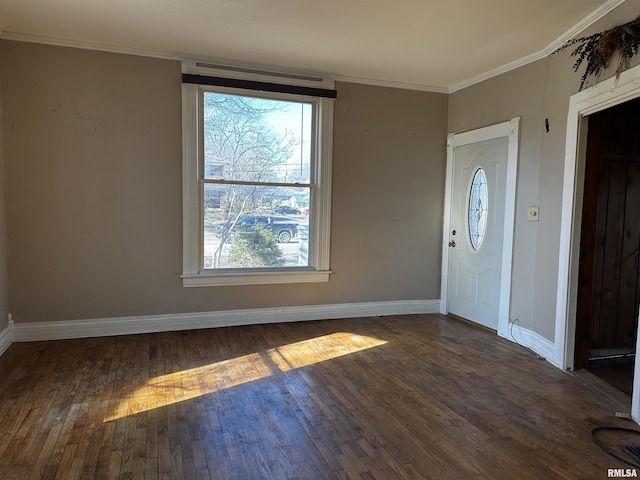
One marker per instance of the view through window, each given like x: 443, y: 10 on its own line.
x: 257, y: 179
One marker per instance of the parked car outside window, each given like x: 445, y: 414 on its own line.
x: 287, y: 210
x: 283, y: 228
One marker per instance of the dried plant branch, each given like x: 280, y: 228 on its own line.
x: 598, y: 49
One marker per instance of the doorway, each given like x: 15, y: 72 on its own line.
x: 479, y: 224
x: 608, y: 280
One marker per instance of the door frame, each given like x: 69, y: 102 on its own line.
x: 511, y: 130
x: 601, y: 96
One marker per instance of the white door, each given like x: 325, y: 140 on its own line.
x: 476, y: 230
x: 476, y: 272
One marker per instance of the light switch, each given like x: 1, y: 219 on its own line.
x: 533, y: 214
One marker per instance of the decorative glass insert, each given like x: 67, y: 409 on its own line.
x: 478, y: 208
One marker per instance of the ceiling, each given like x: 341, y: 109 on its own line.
x: 430, y: 44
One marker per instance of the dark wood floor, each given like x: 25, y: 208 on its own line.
x: 402, y: 397
x: 615, y: 371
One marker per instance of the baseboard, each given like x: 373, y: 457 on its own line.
x: 530, y: 339
x: 6, y: 338
x: 102, y: 327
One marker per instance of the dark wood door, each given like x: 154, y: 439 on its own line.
x: 609, y: 287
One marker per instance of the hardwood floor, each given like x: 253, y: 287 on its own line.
x: 617, y: 372
x: 401, y: 397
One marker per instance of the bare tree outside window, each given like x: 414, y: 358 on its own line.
x: 257, y: 164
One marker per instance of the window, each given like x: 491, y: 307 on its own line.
x: 256, y: 178
x: 478, y: 208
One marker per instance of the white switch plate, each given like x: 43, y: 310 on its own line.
x: 533, y: 214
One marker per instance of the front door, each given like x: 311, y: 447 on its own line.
x: 476, y: 230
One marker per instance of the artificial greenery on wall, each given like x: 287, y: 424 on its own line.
x: 598, y: 49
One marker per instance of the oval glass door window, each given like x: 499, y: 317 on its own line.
x: 478, y: 208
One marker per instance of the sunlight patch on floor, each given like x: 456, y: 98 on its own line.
x: 186, y: 384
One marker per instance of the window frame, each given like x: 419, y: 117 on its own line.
x: 193, y: 273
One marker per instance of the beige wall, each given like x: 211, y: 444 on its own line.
x: 92, y: 178
x: 4, y: 301
x: 93, y: 165
x: 535, y: 92
x: 388, y: 184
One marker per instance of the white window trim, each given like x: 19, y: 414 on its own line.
x: 320, y: 218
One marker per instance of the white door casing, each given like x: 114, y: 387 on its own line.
x: 601, y: 96
x: 635, y: 392
x: 606, y: 94
x: 482, y: 290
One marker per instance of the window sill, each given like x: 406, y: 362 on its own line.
x: 253, y: 278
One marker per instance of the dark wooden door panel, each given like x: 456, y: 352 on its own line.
x: 587, y: 315
x: 613, y: 302
x: 609, y: 292
x: 608, y: 278
x: 629, y: 292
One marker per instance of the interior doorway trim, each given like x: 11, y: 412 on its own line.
x: 510, y: 129
x: 605, y: 94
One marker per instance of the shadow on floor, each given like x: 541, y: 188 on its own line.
x: 617, y: 372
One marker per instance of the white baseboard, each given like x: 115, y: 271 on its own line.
x: 6, y: 337
x: 530, y: 339
x: 102, y: 327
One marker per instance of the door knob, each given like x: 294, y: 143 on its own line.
x: 452, y: 243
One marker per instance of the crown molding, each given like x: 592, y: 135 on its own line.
x: 584, y: 24
x: 521, y: 62
x: 169, y: 55
x: 161, y: 54
x: 545, y: 52
x: 390, y: 84
x: 101, y: 47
